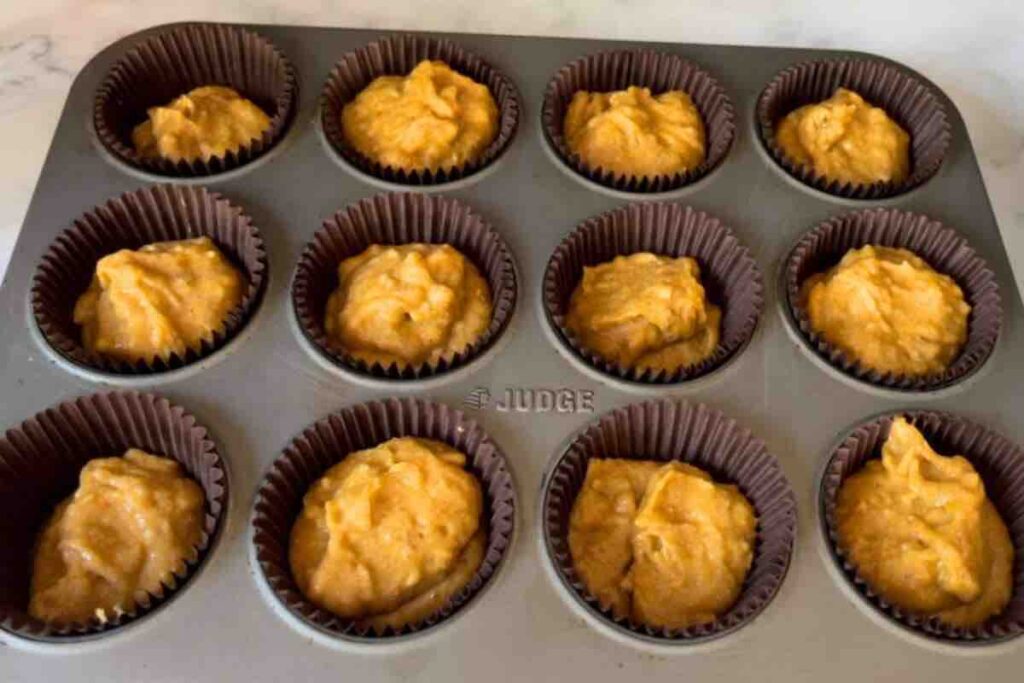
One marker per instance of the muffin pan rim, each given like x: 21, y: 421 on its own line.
x: 766, y: 351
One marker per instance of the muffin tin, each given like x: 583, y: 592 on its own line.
x: 530, y: 392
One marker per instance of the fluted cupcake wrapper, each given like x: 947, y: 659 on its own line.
x: 173, y: 62
x: 696, y: 434
x: 153, y: 214
x: 659, y: 71
x: 396, y: 219
x: 397, y: 56
x: 908, y: 101
x: 327, y: 442
x: 40, y: 462
x: 943, y: 249
x: 728, y: 272
x: 999, y: 462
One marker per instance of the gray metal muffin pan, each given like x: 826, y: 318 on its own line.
x: 264, y: 388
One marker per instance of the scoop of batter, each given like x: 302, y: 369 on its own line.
x: 692, y: 547
x: 435, y: 597
x: 132, y: 522
x: 632, y: 132
x: 162, y: 299
x: 207, y: 122
x: 846, y: 139
x: 601, y: 528
x: 408, y: 304
x: 919, y: 528
x: 645, y: 311
x: 889, y: 310
x: 389, y: 533
x: 434, y: 118
x: 661, y: 543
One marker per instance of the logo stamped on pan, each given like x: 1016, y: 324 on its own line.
x: 531, y: 400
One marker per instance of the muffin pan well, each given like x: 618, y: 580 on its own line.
x: 728, y: 273
x: 675, y: 431
x: 41, y: 460
x: 397, y: 55
x: 908, y: 101
x: 528, y: 397
x: 397, y: 219
x: 945, y: 250
x: 159, y: 213
x: 1000, y: 464
x: 279, y: 501
x: 173, y: 62
x: 658, y: 71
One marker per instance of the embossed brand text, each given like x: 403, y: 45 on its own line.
x: 532, y: 400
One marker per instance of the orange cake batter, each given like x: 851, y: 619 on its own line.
x: 632, y: 132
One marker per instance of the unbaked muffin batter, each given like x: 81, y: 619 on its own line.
x: 889, y: 310
x: 434, y: 118
x: 207, y: 122
x: 132, y: 523
x: 634, y: 133
x: 408, y: 304
x: 437, y: 596
x: 661, y: 543
x: 601, y: 528
x: 645, y: 311
x: 846, y: 139
x: 390, y: 533
x: 920, y: 530
x: 162, y: 299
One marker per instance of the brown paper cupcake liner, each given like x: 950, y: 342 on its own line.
x: 327, y: 442
x: 728, y: 272
x: 178, y: 60
x: 40, y: 462
x: 908, y: 101
x: 1000, y: 463
x: 401, y: 219
x: 696, y: 434
x: 397, y: 56
x: 659, y: 71
x: 943, y: 249
x: 153, y: 214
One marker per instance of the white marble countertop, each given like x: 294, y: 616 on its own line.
x: 974, y: 51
